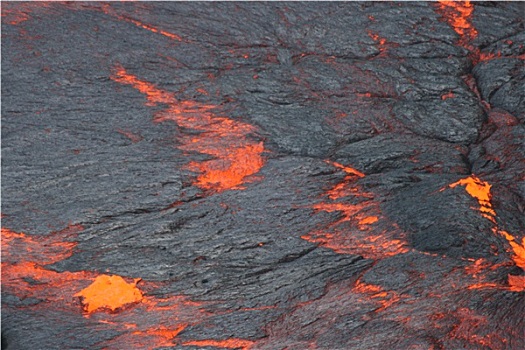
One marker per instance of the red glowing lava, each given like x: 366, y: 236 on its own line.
x: 146, y: 322
x: 232, y: 343
x: 458, y: 15
x: 235, y: 156
x: 380, y: 41
x: 108, y: 10
x: 356, y: 231
x: 480, y: 190
x: 16, y: 13
x: 24, y: 272
x: 376, y: 294
x: 447, y: 95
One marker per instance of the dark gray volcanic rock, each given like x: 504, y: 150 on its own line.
x: 278, y: 175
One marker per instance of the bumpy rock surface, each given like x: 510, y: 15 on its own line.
x: 263, y: 175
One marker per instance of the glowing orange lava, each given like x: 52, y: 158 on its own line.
x: 379, y: 40
x: 518, y: 249
x: 458, y: 15
x: 235, y: 156
x: 354, y: 232
x: 481, y: 191
x: 109, y: 11
x: 109, y: 292
x: 24, y: 272
x: 376, y: 294
x: 447, y: 95
x: 15, y: 13
x: 146, y: 322
x: 232, y: 343
x: 517, y: 283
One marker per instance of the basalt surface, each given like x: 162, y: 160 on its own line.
x: 263, y: 175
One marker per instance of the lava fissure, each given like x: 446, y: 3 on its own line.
x: 236, y: 155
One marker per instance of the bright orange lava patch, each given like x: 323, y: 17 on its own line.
x: 235, y: 156
x: 481, y: 191
x: 458, y: 15
x: 368, y: 220
x: 517, y: 248
x: 232, y: 343
x: 109, y: 292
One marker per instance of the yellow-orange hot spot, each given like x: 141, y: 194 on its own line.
x: 109, y: 292
x: 481, y: 191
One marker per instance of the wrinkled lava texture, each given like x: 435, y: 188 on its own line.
x: 263, y: 175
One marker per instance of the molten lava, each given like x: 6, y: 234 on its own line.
x: 235, y: 156
x: 355, y: 232
x: 481, y: 191
x: 109, y: 11
x: 232, y: 343
x: 146, y: 322
x: 458, y: 15
x: 111, y: 292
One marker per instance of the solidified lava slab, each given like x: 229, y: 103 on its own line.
x: 280, y: 175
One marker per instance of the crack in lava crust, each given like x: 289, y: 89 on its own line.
x: 236, y: 155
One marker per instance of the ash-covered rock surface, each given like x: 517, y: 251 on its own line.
x: 288, y: 175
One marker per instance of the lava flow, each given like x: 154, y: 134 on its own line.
x: 227, y: 344
x: 235, y: 156
x: 144, y: 321
x: 108, y: 10
x: 24, y: 272
x: 480, y: 190
x: 358, y: 230
x: 458, y: 15
x: 110, y: 292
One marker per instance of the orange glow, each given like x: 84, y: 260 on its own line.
x: 481, y: 191
x: 346, y: 169
x: 19, y: 247
x: 447, y: 95
x: 235, y: 156
x: 376, y: 294
x: 133, y: 137
x: 164, y: 334
x: 458, y: 15
x: 517, y: 283
x: 109, y: 292
x: 23, y: 266
x: 149, y: 323
x: 109, y: 11
x: 517, y: 248
x: 15, y: 13
x: 379, y: 40
x: 153, y: 94
x: 352, y: 233
x: 232, y: 343
x: 368, y: 220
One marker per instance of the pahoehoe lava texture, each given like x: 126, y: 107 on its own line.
x: 184, y: 175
